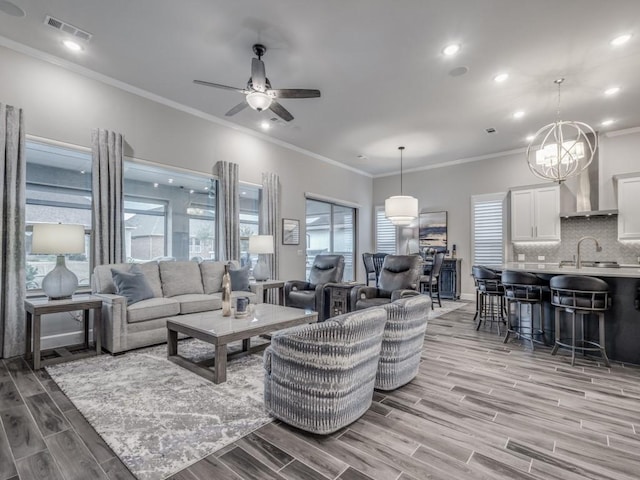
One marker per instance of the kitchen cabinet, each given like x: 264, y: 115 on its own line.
x: 628, y: 201
x: 535, y: 214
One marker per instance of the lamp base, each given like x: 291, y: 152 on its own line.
x: 261, y: 271
x: 60, y: 283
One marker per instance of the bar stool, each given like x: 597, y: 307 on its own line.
x: 523, y: 288
x: 490, y: 297
x: 579, y: 295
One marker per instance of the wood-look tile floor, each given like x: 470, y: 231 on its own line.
x: 478, y: 409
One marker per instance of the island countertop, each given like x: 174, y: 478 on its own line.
x: 556, y: 269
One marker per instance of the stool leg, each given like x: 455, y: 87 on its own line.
x: 479, y: 312
x: 544, y: 338
x: 556, y: 345
x: 509, y: 325
x: 477, y: 305
x: 573, y: 338
x: 601, y: 339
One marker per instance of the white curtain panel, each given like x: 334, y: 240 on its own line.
x: 270, y: 222
x: 228, y: 210
x: 108, y: 197
x: 13, y: 288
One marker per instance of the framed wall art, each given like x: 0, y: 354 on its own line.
x: 290, y: 231
x: 433, y: 231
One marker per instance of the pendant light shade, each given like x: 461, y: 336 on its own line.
x: 259, y: 101
x: 401, y: 209
x: 561, y: 149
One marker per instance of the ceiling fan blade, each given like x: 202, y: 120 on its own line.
x: 238, y: 108
x: 217, y: 85
x: 282, y: 112
x: 294, y: 93
x: 258, y: 77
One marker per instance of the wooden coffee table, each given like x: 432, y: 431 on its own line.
x: 212, y: 327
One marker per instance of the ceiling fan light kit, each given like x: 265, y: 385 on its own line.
x: 401, y: 209
x: 259, y: 95
x: 561, y: 149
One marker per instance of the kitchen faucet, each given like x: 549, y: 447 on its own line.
x: 598, y: 249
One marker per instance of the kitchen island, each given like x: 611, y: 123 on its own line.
x: 622, y: 320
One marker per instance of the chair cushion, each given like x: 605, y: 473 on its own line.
x: 180, y: 278
x: 302, y: 299
x: 212, y: 276
x: 152, y: 308
x: 132, y: 284
x: 240, y: 279
x: 580, y: 302
x: 372, y: 302
x: 198, y: 302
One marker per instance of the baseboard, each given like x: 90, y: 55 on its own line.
x: 64, y: 339
x: 468, y: 296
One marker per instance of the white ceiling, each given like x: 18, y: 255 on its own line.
x: 378, y: 64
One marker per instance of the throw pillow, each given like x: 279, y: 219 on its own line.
x: 240, y: 279
x: 132, y: 284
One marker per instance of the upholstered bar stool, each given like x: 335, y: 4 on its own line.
x: 580, y: 296
x: 523, y: 288
x: 490, y: 305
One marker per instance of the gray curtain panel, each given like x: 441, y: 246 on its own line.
x: 13, y: 288
x: 228, y: 210
x: 270, y: 222
x: 108, y: 197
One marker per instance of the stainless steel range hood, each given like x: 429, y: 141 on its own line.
x: 590, y: 213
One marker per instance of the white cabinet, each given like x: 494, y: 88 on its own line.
x: 628, y: 206
x: 535, y: 214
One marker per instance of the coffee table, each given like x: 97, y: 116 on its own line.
x: 212, y: 327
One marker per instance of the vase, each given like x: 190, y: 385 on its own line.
x: 226, y: 292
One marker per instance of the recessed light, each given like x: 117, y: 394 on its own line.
x: 501, y: 77
x: 265, y: 125
x: 607, y: 122
x: 451, y: 49
x: 11, y: 9
x: 612, y: 91
x: 530, y: 138
x: 191, y: 191
x: 170, y: 180
x: 155, y: 185
x: 621, y: 40
x: 518, y: 114
x: 244, y: 193
x: 206, y: 188
x: 71, y: 45
x: 83, y: 172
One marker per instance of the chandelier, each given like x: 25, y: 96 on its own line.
x: 401, y: 209
x: 561, y: 149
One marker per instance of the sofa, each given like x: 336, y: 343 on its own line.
x: 179, y: 289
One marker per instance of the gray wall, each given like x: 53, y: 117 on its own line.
x: 64, y: 106
x: 450, y: 188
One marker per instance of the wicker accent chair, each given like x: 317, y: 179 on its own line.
x: 320, y: 377
x: 402, y: 341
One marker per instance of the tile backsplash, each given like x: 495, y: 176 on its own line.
x: 605, y: 229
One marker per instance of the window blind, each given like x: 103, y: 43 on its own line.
x: 488, y: 229
x: 385, y: 233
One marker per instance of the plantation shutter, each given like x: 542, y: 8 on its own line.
x: 488, y: 229
x: 385, y: 233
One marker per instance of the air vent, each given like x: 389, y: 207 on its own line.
x: 490, y: 130
x: 67, y: 28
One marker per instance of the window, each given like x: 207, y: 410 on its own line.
x: 168, y: 213
x: 58, y: 189
x: 385, y: 233
x: 330, y: 229
x: 488, y: 228
x: 250, y: 196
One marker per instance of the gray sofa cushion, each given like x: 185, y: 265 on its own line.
x: 253, y: 298
x: 132, y: 284
x: 152, y: 308
x: 240, y: 279
x: 180, y: 278
x: 198, y: 302
x: 212, y: 276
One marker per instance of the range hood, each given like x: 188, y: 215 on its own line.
x: 590, y: 213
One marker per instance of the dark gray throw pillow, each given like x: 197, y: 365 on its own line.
x: 132, y: 284
x: 240, y: 279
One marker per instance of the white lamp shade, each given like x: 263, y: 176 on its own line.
x: 259, y: 101
x: 57, y: 239
x: 261, y: 244
x: 401, y: 210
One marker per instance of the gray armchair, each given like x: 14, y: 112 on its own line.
x: 399, y: 278
x: 301, y: 294
x: 402, y: 341
x: 320, y: 377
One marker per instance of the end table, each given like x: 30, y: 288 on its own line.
x: 266, y: 285
x: 37, y: 307
x: 337, y: 298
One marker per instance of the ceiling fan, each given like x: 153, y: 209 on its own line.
x: 259, y: 95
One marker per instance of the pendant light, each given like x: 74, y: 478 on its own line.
x: 561, y: 149
x: 401, y: 209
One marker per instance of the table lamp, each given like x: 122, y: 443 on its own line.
x: 261, y: 245
x: 58, y: 239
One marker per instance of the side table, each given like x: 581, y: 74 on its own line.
x: 337, y: 298
x: 37, y: 307
x: 268, y: 285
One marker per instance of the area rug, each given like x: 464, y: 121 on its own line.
x: 447, y: 306
x: 157, y: 416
